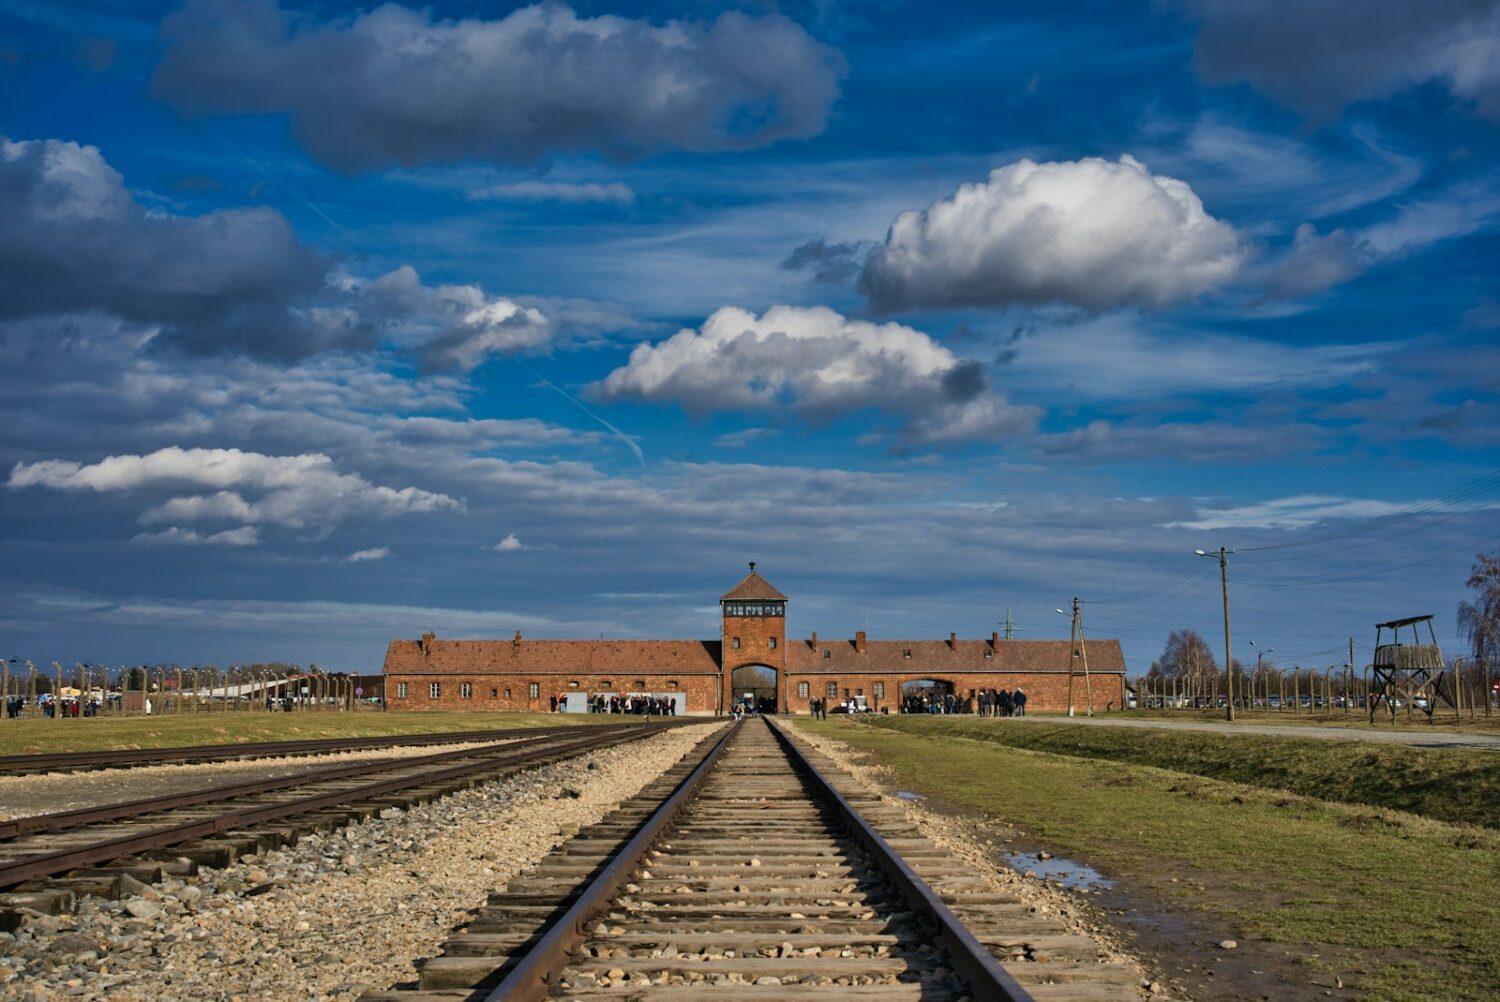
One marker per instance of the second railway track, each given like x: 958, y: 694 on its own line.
x: 47, y: 860
x: 753, y: 870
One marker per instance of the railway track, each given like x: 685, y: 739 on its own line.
x: 48, y: 860
x: 753, y: 870
x: 14, y: 765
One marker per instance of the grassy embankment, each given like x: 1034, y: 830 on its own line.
x: 1414, y: 720
x: 1402, y: 907
x: 23, y: 737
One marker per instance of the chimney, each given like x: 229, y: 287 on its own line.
x: 995, y: 639
x: 859, y: 641
x: 815, y: 638
x: 517, y: 641
x: 425, y: 644
x: 953, y: 641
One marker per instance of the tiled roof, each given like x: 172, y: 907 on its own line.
x: 753, y: 588
x: 456, y: 657
x: 940, y: 656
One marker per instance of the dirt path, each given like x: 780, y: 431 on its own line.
x: 1417, y: 739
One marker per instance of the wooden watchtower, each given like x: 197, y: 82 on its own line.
x: 1408, y: 668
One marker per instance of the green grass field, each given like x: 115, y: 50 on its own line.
x: 1401, y: 907
x: 1405, y: 721
x: 22, y: 737
x: 1460, y: 785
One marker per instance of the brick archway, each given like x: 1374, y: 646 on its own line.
x: 760, y: 682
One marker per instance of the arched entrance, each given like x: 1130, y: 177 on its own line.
x: 754, y: 686
x: 926, y: 695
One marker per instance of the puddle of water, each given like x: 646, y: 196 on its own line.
x: 908, y: 795
x: 1060, y: 871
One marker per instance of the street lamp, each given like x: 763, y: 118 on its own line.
x: 1259, y: 654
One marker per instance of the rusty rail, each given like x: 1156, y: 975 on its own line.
x: 51, y: 864
x: 988, y: 981
x: 533, y: 977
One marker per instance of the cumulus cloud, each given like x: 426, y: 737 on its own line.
x: 1319, y: 55
x: 235, y: 281
x: 394, y: 86
x: 1090, y: 233
x: 831, y: 264
x: 817, y: 363
x: 294, y: 491
x: 554, y: 191
x: 245, y: 535
x: 76, y: 240
x: 375, y: 553
x: 453, y: 326
x: 510, y: 544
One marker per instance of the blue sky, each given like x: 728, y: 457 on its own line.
x: 322, y: 325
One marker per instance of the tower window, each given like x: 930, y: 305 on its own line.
x: 735, y: 643
x: 772, y: 642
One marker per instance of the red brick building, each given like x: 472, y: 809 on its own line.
x: 753, y: 658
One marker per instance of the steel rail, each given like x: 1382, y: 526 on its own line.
x: 51, y: 864
x: 120, y: 757
x: 533, y: 977
x: 64, y: 820
x: 988, y: 980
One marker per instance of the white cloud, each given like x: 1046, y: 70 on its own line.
x: 298, y: 490
x: 454, y: 326
x: 555, y: 191
x: 1090, y: 233
x: 740, y: 439
x: 1297, y: 512
x: 1320, y: 55
x: 375, y: 553
x: 393, y: 86
x: 246, y: 535
x: 509, y: 544
x: 820, y: 364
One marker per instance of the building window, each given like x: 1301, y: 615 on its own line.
x: 827, y: 653
x: 536, y: 690
x: 988, y: 653
x: 572, y: 685
x: 859, y: 692
x: 507, y: 693
x: 494, y: 693
x: 640, y: 683
x: 755, y: 608
x: 400, y: 690
x: 906, y: 653
x: 772, y: 642
x: 434, y: 690
x: 879, y: 690
x: 802, y: 690
x: 672, y: 684
x: 735, y: 643
x: 833, y: 690
x: 606, y: 685
x: 466, y: 691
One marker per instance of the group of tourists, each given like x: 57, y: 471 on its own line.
x: 985, y: 702
x: 68, y: 706
x: 643, y: 706
x: 1001, y: 703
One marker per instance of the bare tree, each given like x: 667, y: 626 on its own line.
x: 1479, y: 621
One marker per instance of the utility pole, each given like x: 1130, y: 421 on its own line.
x: 1077, y: 650
x: 1223, y: 555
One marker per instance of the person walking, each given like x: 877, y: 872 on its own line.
x: 1020, y: 700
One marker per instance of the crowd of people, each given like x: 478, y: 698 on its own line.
x: 639, y: 705
x: 985, y: 702
x: 68, y: 706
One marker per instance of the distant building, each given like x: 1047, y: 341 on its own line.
x: 752, y: 659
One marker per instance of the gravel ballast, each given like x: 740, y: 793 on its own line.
x: 337, y: 914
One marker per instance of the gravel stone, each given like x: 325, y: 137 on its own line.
x: 376, y: 896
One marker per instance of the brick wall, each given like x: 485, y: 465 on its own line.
x: 489, y: 691
x: 762, y: 641
x: 1045, y: 691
